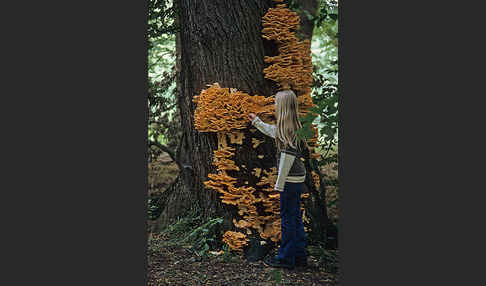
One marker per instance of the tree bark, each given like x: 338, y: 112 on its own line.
x: 306, y: 25
x: 220, y: 41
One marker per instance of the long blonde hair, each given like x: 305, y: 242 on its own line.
x: 286, y: 109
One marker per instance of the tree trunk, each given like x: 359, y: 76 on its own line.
x: 306, y: 25
x: 220, y: 41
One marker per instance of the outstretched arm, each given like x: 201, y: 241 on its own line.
x: 265, y: 128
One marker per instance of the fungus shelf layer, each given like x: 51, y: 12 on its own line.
x: 224, y: 109
x: 292, y: 67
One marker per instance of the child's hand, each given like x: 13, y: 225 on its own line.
x: 251, y: 116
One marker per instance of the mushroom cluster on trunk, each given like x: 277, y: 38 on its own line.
x: 225, y: 111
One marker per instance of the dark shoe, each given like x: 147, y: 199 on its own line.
x: 301, y: 261
x: 275, y: 262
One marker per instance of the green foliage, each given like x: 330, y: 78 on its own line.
x: 161, y: 19
x: 178, y: 230
x: 329, y: 259
x: 161, y: 57
x: 164, y: 120
x: 306, y: 131
x: 191, y: 229
x: 204, y: 236
x: 326, y: 95
x: 277, y: 275
x: 153, y: 209
x: 325, y: 92
x: 327, y: 11
x: 326, y: 16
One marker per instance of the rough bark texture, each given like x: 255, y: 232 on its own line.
x: 306, y: 25
x: 220, y: 41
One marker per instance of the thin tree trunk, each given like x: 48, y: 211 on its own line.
x: 306, y: 25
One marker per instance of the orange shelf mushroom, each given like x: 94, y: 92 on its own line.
x: 235, y: 240
x: 292, y: 67
x: 224, y: 109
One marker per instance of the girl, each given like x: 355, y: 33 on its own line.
x: 291, y: 175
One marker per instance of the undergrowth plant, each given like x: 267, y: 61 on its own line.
x: 204, y: 236
x: 191, y: 230
x: 329, y: 259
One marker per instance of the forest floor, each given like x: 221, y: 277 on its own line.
x: 177, y: 264
x: 174, y: 263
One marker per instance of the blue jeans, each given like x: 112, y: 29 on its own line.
x: 293, y: 235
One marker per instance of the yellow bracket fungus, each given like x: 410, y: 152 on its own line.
x: 257, y: 172
x: 235, y: 240
x: 292, y: 67
x: 223, y: 109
